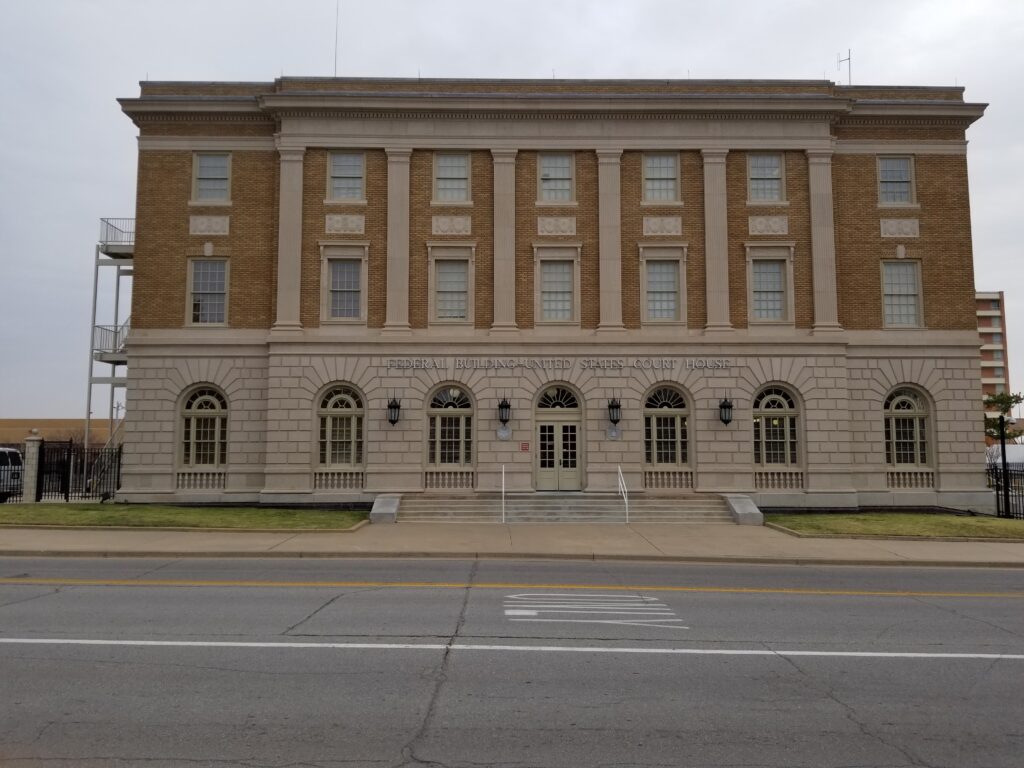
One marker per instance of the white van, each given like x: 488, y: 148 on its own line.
x: 12, y: 473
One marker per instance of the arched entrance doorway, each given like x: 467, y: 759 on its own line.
x: 559, y: 443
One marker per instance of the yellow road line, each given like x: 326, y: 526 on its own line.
x: 489, y: 585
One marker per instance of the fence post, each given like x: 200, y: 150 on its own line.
x: 30, y: 478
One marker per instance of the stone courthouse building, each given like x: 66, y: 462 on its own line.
x: 345, y: 287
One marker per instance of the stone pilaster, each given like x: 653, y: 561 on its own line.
x: 504, y: 288
x: 609, y: 190
x: 397, y: 315
x: 716, y: 240
x: 289, y: 241
x: 823, y: 242
x: 30, y: 470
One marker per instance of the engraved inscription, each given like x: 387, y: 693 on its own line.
x: 769, y: 225
x: 556, y: 225
x: 663, y: 225
x: 452, y: 225
x: 901, y: 228
x: 208, y: 225
x: 345, y: 224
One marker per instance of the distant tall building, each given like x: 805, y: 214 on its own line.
x: 995, y: 377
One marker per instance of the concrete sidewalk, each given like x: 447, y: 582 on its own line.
x: 639, y: 541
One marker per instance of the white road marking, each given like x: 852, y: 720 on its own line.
x: 641, y: 611
x: 509, y: 648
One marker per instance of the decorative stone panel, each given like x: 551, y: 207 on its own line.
x: 556, y: 225
x: 208, y: 225
x: 663, y: 225
x: 900, y: 228
x: 345, y: 224
x: 451, y: 225
x: 769, y: 225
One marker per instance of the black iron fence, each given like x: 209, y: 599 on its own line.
x: 72, y: 472
x: 1011, y: 490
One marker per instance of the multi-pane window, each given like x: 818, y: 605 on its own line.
x: 997, y: 338
x: 996, y: 322
x: 451, y: 183
x: 556, y: 177
x: 764, y: 178
x: 775, y: 428
x: 450, y: 428
x: 346, y: 288
x: 662, y: 289
x: 901, y: 301
x: 895, y: 180
x: 213, y: 176
x: 204, y: 431
x: 451, y: 282
x: 994, y: 304
x: 906, y: 428
x: 997, y: 354
x: 209, y: 290
x: 769, y: 289
x: 347, y: 174
x: 556, y: 291
x: 665, y: 435
x: 998, y: 372
x: 341, y: 428
x: 661, y: 178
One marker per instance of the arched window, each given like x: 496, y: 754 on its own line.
x: 906, y: 428
x: 341, y: 427
x: 450, y: 429
x: 665, y: 427
x: 775, y: 431
x: 558, y: 397
x: 204, y: 434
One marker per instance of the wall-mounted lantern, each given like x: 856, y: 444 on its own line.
x: 394, y: 409
x: 504, y: 411
x: 614, y: 410
x: 725, y: 411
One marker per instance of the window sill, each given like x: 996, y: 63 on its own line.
x: 353, y: 201
x: 768, y: 203
x: 661, y: 203
x: 207, y: 325
x: 557, y: 323
x: 557, y: 204
x: 452, y: 323
x: 209, y: 203
x: 663, y: 323
x: 342, y: 321
x: 451, y: 203
x: 899, y: 206
x: 903, y: 327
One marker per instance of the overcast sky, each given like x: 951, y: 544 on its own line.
x: 68, y: 154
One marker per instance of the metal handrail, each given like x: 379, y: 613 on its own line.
x: 624, y: 493
x: 110, y: 338
x: 117, y: 231
x: 502, y: 494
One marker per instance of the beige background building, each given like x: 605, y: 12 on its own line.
x: 309, y: 251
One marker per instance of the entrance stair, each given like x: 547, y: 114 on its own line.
x: 563, y: 508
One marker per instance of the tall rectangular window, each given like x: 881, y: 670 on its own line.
x: 451, y: 177
x: 769, y: 289
x: 346, y: 287
x: 212, y: 177
x: 556, y: 290
x: 895, y: 180
x: 556, y: 172
x: 764, y: 178
x: 347, y: 174
x: 900, y: 293
x: 452, y: 289
x: 997, y: 322
x: 661, y: 178
x: 209, y: 290
x: 662, y: 290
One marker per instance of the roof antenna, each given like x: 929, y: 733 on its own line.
x: 336, y: 17
x: 849, y: 65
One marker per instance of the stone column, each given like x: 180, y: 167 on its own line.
x: 823, y: 242
x: 289, y: 241
x: 397, y: 316
x: 609, y: 211
x: 716, y: 240
x: 504, y: 287
x: 30, y: 471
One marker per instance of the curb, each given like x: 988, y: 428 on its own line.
x: 161, y: 528
x: 882, y: 537
x: 519, y: 556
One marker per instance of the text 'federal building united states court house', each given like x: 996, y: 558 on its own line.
x: 347, y: 287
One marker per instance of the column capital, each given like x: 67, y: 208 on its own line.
x: 819, y: 156
x: 609, y: 156
x: 504, y: 155
x: 714, y: 155
x: 291, y: 154
x: 397, y: 155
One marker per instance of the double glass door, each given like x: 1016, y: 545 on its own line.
x: 558, y: 456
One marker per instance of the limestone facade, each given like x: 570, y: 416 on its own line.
x: 793, y: 262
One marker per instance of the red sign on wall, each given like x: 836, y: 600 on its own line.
x: 524, y: 447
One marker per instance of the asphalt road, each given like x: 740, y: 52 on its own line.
x: 477, y: 663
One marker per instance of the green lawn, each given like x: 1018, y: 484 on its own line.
x: 899, y: 524
x: 162, y: 516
